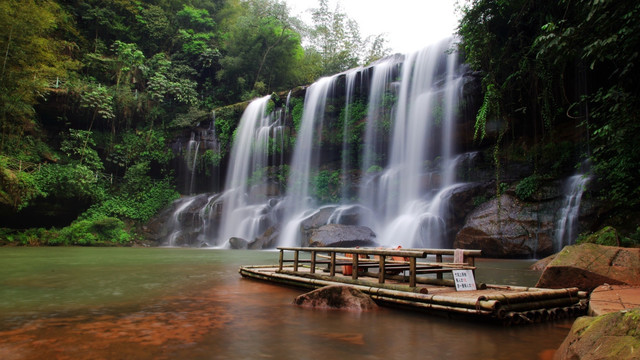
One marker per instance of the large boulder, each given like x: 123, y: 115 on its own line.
x: 313, y: 221
x: 237, y: 243
x: 266, y: 240
x: 610, y: 336
x: 588, y: 266
x: 507, y: 227
x: 342, y: 236
x: 338, y: 297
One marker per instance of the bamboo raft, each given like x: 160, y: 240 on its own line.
x: 405, y: 278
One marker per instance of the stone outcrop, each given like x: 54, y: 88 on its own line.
x: 336, y: 297
x: 338, y: 235
x: 267, y: 240
x: 611, y: 336
x: 317, y: 219
x: 588, y: 266
x: 507, y: 227
x: 612, y: 298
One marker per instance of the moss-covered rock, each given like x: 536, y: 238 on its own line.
x: 611, y: 336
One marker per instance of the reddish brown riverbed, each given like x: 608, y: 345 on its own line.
x: 192, y: 304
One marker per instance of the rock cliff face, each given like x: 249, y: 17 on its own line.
x: 507, y: 227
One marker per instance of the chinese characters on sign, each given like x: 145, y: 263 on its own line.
x: 464, y: 280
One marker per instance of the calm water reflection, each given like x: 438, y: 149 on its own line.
x: 87, y: 303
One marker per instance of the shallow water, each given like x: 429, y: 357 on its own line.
x: 159, y: 303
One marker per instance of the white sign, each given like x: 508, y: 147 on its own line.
x: 464, y: 280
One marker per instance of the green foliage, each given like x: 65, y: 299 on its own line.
x: 633, y: 240
x: 336, y: 37
x: 64, y: 181
x: 78, y: 147
x: 262, y: 48
x: 374, y: 169
x: 17, y: 187
x: 536, y: 59
x: 297, y: 107
x: 208, y: 160
x: 327, y: 185
x: 226, y: 122
x: 479, y: 200
x: 99, y: 230
x: 139, y: 206
x: 528, y: 187
x: 32, y: 237
x: 606, y: 236
x: 32, y: 61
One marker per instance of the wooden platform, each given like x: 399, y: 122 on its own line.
x: 408, y: 279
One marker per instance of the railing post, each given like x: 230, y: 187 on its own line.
x: 332, y: 265
x: 295, y: 260
x: 439, y: 259
x: 354, y: 272
x: 313, y: 262
x: 412, y: 271
x: 281, y: 259
x: 381, y: 264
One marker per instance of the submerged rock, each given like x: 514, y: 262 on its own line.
x: 588, y: 266
x: 337, y: 297
x: 611, y: 336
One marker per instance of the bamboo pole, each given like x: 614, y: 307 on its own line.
x: 541, y: 304
x: 529, y: 296
x: 430, y: 281
x: 404, y: 288
x: 431, y: 306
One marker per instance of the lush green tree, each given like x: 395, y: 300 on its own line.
x: 33, y: 61
x: 261, y: 49
x: 337, y: 39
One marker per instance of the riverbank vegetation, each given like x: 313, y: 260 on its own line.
x: 91, y: 93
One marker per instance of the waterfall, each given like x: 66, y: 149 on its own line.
x: 406, y: 156
x: 409, y: 193
x: 567, y: 224
x: 297, y: 202
x: 246, y: 215
x: 191, y: 157
x: 346, y: 130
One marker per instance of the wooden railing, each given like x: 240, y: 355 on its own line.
x: 383, y: 259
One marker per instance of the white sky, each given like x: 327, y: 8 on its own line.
x: 408, y: 25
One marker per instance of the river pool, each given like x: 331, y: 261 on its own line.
x: 168, y: 303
